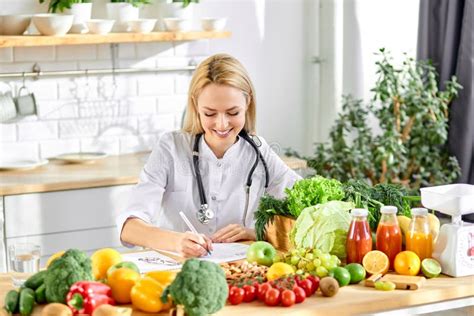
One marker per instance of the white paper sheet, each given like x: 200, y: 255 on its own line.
x: 151, y: 261
x: 224, y: 252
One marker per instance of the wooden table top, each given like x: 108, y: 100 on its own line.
x: 57, y: 175
x: 353, y: 299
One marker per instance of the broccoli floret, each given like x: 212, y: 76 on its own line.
x: 200, y: 287
x: 73, y: 266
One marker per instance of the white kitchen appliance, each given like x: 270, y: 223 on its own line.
x: 454, y: 248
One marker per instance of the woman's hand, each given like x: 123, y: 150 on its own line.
x: 233, y: 232
x: 193, y: 245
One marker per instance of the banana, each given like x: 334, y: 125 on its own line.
x: 434, y: 226
x: 403, y: 222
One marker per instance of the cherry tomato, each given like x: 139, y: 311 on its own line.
x: 236, y: 295
x: 262, y: 290
x: 288, y: 298
x: 250, y: 293
x: 300, y: 295
x: 315, y: 281
x: 307, y: 286
x: 272, y: 297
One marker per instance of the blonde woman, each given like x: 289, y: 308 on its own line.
x: 213, y: 170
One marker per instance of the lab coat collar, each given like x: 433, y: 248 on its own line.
x: 228, y: 155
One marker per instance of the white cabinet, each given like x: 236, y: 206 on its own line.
x: 83, y: 219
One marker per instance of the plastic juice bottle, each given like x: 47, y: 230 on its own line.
x: 389, y: 236
x: 359, y: 237
x: 419, y: 239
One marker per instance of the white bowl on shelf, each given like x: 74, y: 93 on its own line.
x: 141, y: 25
x: 177, y: 24
x: 53, y: 24
x: 213, y: 24
x: 100, y: 26
x: 14, y: 24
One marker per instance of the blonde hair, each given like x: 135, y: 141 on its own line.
x: 221, y: 69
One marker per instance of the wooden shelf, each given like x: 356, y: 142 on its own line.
x: 80, y: 39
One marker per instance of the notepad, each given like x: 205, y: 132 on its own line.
x: 151, y: 261
x: 227, y: 252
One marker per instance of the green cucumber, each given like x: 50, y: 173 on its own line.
x: 40, y: 294
x: 35, y: 280
x: 27, y: 301
x: 11, y: 301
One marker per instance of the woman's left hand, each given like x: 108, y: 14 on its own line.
x: 233, y: 232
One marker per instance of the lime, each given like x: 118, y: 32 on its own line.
x: 356, y: 271
x: 342, y: 276
x: 430, y: 268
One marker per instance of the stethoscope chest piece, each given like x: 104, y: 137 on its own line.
x: 204, y: 214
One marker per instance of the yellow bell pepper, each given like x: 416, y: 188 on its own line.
x: 164, y: 277
x: 146, y: 295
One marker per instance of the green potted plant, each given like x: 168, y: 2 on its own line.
x: 185, y: 3
x: 410, y: 148
x: 123, y: 11
x: 80, y: 9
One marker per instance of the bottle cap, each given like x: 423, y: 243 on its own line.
x: 419, y: 211
x: 388, y: 209
x: 359, y: 212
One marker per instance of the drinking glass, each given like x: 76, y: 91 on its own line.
x: 24, y: 260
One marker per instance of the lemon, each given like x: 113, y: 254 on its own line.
x: 430, y: 268
x: 376, y: 262
x: 54, y: 257
x: 279, y: 269
x: 102, y: 260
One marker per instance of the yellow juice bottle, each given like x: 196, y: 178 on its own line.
x: 419, y: 239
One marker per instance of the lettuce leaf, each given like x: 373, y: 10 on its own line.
x: 323, y: 226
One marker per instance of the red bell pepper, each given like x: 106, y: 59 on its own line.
x: 85, y: 296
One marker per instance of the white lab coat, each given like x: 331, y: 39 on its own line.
x: 167, y: 184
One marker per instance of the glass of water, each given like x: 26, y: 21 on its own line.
x: 24, y: 260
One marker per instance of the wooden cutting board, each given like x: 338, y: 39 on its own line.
x: 402, y: 282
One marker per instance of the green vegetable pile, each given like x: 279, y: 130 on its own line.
x: 312, y: 191
x: 323, y: 226
x: 73, y: 266
x: 200, y: 286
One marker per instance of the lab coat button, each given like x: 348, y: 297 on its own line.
x: 213, y: 197
x: 219, y: 164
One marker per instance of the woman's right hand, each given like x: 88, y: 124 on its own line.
x: 193, y: 245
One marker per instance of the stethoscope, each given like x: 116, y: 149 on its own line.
x: 204, y: 214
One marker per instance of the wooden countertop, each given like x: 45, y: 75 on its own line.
x: 113, y: 170
x: 354, y: 299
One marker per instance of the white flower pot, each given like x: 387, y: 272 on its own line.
x: 173, y: 10
x: 121, y: 13
x: 82, y: 12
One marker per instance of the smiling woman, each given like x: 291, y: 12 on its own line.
x: 214, y: 170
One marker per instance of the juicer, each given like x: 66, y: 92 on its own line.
x: 454, y: 248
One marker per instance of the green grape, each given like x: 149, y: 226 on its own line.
x: 325, y: 257
x: 294, y: 260
x: 388, y: 286
x: 318, y: 252
x: 299, y: 272
x: 302, y: 252
x: 317, y: 262
x: 301, y: 264
x: 309, y: 256
x: 321, y: 272
x: 379, y: 285
x: 310, y: 266
x: 294, y: 252
x: 277, y: 258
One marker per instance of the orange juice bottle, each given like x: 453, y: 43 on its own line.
x: 419, y: 239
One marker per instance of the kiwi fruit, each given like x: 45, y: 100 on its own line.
x: 329, y: 286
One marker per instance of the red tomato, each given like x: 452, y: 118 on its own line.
x: 315, y: 281
x: 300, y: 295
x: 307, y: 286
x: 262, y: 290
x: 250, y: 293
x: 272, y: 297
x: 236, y: 295
x: 288, y: 298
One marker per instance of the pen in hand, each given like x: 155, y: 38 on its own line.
x: 191, y: 227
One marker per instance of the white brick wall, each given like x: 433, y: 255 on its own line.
x: 89, y: 113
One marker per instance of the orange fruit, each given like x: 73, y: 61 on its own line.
x: 407, y: 263
x: 376, y: 262
x: 54, y: 257
x: 121, y: 281
x: 102, y: 260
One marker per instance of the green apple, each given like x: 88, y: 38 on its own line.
x: 261, y: 252
x: 123, y: 264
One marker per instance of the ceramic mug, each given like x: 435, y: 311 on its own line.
x: 26, y: 103
x: 7, y: 108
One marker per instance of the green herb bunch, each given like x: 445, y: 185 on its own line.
x: 413, y: 117
x: 186, y: 2
x: 60, y: 5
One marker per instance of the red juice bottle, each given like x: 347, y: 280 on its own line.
x: 359, y: 237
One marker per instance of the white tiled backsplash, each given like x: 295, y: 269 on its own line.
x: 86, y: 113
